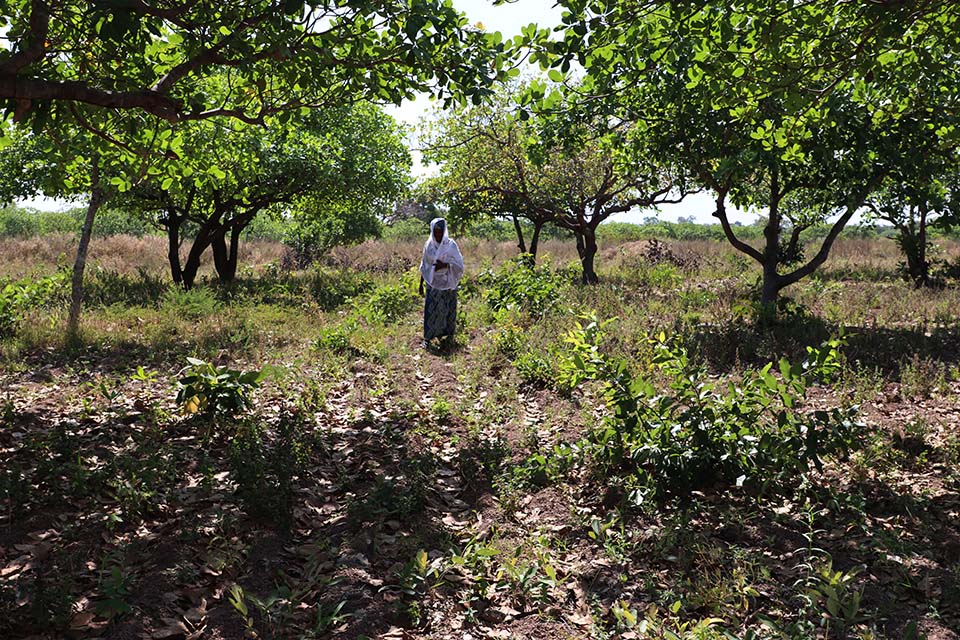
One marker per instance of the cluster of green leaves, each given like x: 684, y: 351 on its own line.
x: 750, y: 433
x: 275, y: 57
x: 265, y: 472
x: 216, y: 391
x: 388, y: 303
x: 18, y: 297
x: 521, y: 286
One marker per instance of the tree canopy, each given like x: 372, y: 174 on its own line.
x: 271, y: 55
x: 545, y: 169
x: 333, y: 172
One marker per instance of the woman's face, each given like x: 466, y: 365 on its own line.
x: 438, y: 231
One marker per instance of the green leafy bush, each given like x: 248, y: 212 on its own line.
x: 338, y: 338
x: 702, y: 433
x: 535, y: 368
x: 212, y: 390
x: 519, y: 286
x: 389, y: 303
x: 18, y: 297
x: 266, y: 472
x: 192, y: 304
x: 330, y: 288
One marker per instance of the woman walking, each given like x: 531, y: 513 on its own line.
x: 441, y: 269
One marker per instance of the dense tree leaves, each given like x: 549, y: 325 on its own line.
x: 330, y: 175
x: 801, y: 109
x: 273, y: 56
x: 547, y: 170
x: 892, y: 57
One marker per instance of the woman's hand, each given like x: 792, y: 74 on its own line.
x: 439, y: 264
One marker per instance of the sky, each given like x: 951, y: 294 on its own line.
x: 508, y: 19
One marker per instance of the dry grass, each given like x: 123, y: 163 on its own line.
x: 121, y: 254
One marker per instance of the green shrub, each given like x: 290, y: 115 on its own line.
x: 389, y: 303
x: 16, y: 298
x: 519, y: 286
x: 265, y: 473
x: 331, y: 288
x: 212, y: 390
x: 534, y: 368
x: 191, y: 304
x: 701, y: 433
x: 338, y: 338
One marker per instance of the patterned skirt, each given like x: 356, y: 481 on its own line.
x: 439, y: 313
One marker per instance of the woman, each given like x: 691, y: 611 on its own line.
x: 441, y: 269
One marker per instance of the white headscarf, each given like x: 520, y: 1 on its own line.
x: 447, y: 251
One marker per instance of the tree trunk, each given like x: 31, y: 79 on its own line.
x: 220, y: 258
x: 224, y: 256
x: 535, y: 241
x: 173, y: 249
x: 97, y: 198
x: 923, y: 267
x: 204, y: 237
x: 580, y: 244
x: 588, y: 255
x: 770, y: 288
x: 234, y: 253
x: 520, y: 243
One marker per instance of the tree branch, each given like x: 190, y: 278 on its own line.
x: 828, y: 241
x: 30, y: 89
x: 740, y: 245
x: 37, y: 38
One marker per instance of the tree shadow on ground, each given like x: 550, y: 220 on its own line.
x: 727, y: 346
x: 304, y: 515
x: 901, y: 551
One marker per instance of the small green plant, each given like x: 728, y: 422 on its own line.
x: 265, y: 474
x: 519, y: 286
x: 417, y: 577
x: 700, y: 433
x: 328, y: 618
x: 922, y: 377
x: 338, y: 338
x: 189, y: 304
x: 238, y: 601
x: 387, y: 303
x: 440, y: 410
x: 115, y: 585
x: 208, y: 389
x: 18, y: 297
x: 535, y: 368
x: 835, y: 592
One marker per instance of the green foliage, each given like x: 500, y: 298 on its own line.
x: 216, y: 391
x: 113, y: 56
x: 18, y: 297
x: 535, y: 368
x: 191, y: 304
x: 338, y: 338
x: 389, y: 303
x: 331, y: 288
x: 517, y: 285
x: 23, y: 222
x: 751, y: 433
x: 409, y: 229
x: 265, y: 472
